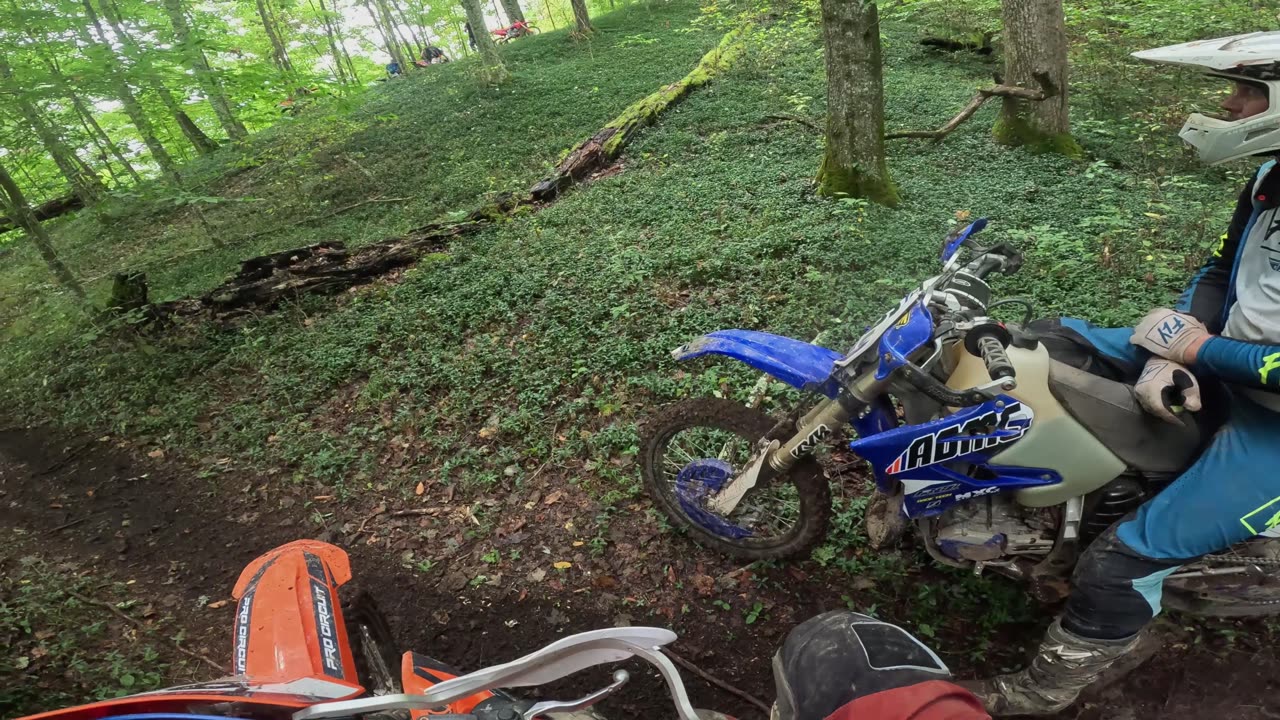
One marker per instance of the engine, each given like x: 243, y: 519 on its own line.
x: 996, y: 526
x: 993, y: 527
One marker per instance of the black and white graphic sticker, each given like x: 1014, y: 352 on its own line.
x: 952, y: 441
x: 326, y: 623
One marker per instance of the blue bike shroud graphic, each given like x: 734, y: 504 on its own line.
x: 939, y: 463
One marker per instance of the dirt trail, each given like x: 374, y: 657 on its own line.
x: 182, y: 536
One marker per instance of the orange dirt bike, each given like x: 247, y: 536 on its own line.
x: 520, y: 28
x: 296, y: 657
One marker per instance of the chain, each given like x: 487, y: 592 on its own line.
x: 1237, y: 560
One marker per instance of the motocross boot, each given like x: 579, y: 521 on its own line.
x: 1064, y: 666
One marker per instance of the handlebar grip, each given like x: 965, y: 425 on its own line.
x: 988, y: 342
x: 993, y: 354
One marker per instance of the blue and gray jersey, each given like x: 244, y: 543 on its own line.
x: 1237, y: 294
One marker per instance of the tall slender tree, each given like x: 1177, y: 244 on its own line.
x: 514, y: 12
x: 271, y: 26
x: 581, y: 20
x: 16, y: 207
x: 84, y: 183
x: 854, y: 163
x: 205, y: 75
x: 1035, y: 42
x: 491, y: 63
x: 92, y: 127
x: 100, y: 48
x: 385, y: 31
x: 202, y: 143
x: 409, y: 26
x: 331, y: 34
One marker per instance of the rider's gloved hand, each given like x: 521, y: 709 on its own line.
x: 1171, y: 335
x: 1161, y: 383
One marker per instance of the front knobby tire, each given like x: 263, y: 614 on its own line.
x: 658, y: 459
x: 372, y: 646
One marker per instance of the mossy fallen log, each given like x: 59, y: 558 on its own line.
x: 602, y: 148
x: 329, y: 267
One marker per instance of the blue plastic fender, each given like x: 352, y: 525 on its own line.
x: 794, y: 362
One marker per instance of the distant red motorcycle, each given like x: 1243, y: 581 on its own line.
x: 520, y: 29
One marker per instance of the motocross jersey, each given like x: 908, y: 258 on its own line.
x: 1236, y: 293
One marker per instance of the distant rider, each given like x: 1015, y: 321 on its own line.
x: 1227, y: 327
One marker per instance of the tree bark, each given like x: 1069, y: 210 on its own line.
x: 393, y: 27
x: 94, y: 129
x: 20, y: 211
x: 279, y: 54
x: 84, y: 183
x: 132, y: 108
x: 580, y: 17
x: 56, y: 207
x: 205, y: 75
x: 854, y: 164
x: 493, y: 69
x: 1035, y: 41
x: 339, y: 73
x: 418, y: 44
x: 202, y: 143
x: 105, y: 141
x: 388, y: 38
x: 513, y: 10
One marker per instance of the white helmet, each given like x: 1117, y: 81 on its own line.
x: 1252, y: 58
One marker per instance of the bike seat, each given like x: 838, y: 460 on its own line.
x: 1109, y: 411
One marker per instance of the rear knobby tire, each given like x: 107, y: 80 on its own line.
x: 806, y: 475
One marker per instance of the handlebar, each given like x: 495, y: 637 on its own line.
x: 1002, y: 257
x: 988, y: 342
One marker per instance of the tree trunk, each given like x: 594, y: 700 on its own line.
x: 854, y: 163
x: 104, y: 142
x: 546, y: 5
x: 384, y: 6
x: 197, y: 137
x: 205, y: 75
x: 580, y: 17
x: 104, y: 154
x: 279, y: 55
x: 339, y: 74
x: 20, y: 212
x: 493, y: 69
x: 92, y: 125
x: 514, y: 12
x: 84, y: 183
x: 388, y: 38
x: 418, y: 44
x: 1035, y: 41
x: 464, y: 38
x: 132, y: 108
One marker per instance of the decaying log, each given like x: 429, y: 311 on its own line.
x: 329, y: 267
x: 47, y: 210
x: 602, y: 148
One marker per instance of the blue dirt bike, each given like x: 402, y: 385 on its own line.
x: 999, y: 456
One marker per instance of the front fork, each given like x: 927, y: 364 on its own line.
x: 777, y: 458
